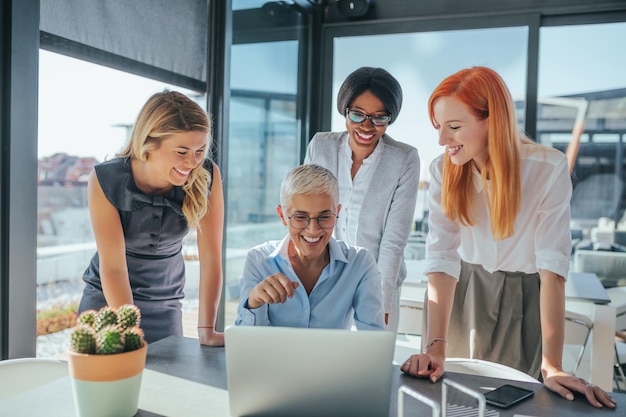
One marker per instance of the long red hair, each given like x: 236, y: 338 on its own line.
x: 486, y: 95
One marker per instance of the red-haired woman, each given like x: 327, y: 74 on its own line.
x: 499, y: 243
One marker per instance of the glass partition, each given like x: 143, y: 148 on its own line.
x: 263, y: 145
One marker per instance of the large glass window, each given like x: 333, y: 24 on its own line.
x: 582, y: 111
x: 85, y: 115
x: 582, y: 102
x: 420, y: 61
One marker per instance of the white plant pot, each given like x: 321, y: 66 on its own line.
x: 107, y: 385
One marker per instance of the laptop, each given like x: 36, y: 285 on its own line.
x: 296, y: 372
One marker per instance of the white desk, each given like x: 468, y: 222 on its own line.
x: 586, y: 288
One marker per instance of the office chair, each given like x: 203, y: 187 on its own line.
x: 618, y: 300
x: 620, y: 362
x: 577, y: 331
x: 18, y: 375
x: 408, y: 339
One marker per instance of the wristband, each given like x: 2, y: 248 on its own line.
x: 436, y: 339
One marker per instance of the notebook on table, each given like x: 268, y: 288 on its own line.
x: 285, y: 371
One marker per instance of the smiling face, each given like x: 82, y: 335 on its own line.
x: 171, y: 164
x: 364, y: 136
x: 311, y: 242
x: 463, y: 135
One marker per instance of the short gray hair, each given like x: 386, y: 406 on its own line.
x: 308, y: 179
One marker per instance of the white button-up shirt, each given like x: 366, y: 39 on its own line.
x: 541, y: 239
x: 352, y: 192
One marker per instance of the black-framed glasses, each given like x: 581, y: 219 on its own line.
x: 376, y: 119
x: 302, y: 221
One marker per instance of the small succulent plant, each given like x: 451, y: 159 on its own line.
x: 128, y: 315
x: 83, y: 339
x: 105, y: 317
x: 107, y: 331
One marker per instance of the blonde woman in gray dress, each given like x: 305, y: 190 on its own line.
x: 142, y: 204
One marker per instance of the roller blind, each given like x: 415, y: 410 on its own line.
x: 169, y: 35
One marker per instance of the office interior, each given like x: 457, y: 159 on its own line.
x: 268, y: 73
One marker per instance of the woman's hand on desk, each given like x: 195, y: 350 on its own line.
x: 209, y: 337
x: 424, y: 365
x: 565, y: 384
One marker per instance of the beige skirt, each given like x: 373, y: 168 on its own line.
x: 495, y: 317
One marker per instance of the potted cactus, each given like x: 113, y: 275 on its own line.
x: 107, y: 355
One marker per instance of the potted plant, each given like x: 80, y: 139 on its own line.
x: 106, y: 357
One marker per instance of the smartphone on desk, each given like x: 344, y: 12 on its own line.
x: 507, y: 395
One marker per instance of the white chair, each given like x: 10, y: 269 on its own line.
x: 19, y: 375
x: 577, y: 330
x: 408, y: 340
x: 486, y: 368
x: 411, y: 309
x: 620, y: 360
x: 618, y: 300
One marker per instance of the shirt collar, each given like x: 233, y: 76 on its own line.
x: 373, y: 156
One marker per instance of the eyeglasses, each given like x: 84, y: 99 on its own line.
x: 302, y: 221
x: 359, y: 117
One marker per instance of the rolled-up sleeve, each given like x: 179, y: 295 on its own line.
x: 443, y: 238
x: 553, y: 237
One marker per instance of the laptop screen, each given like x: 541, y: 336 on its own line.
x: 284, y: 371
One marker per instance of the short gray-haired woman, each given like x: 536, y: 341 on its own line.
x: 309, y: 279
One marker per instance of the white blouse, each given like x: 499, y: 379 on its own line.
x: 541, y: 239
x: 352, y: 192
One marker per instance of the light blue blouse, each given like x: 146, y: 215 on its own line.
x: 348, y: 288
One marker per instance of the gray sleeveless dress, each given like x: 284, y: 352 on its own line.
x: 154, y: 228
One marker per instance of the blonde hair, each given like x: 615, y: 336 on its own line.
x: 484, y: 92
x: 164, y: 114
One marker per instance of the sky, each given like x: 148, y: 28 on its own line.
x: 82, y: 105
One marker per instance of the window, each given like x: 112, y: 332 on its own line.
x: 581, y: 110
x: 86, y: 112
